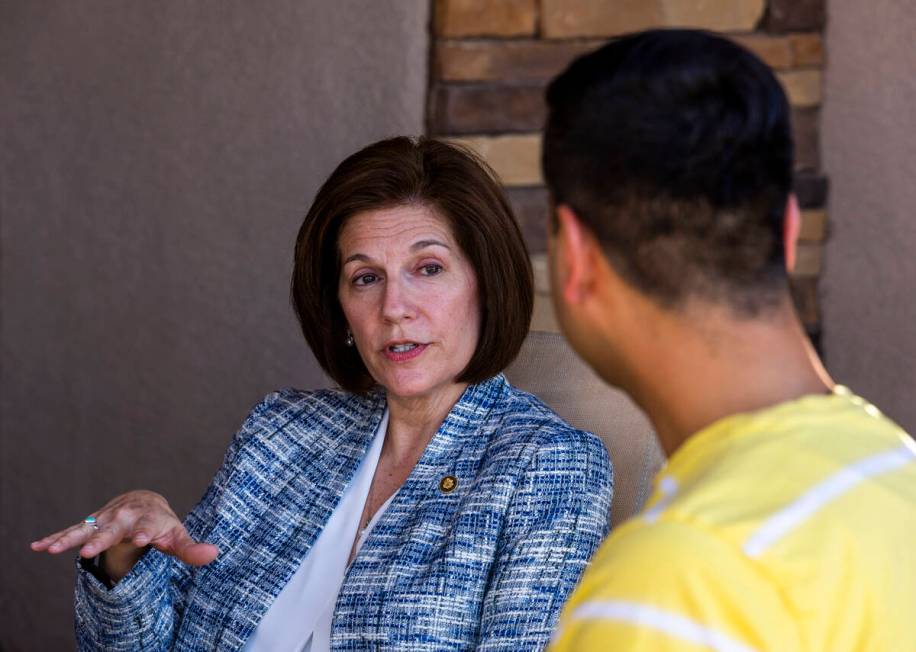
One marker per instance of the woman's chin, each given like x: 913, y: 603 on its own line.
x: 409, y: 390
x: 414, y: 386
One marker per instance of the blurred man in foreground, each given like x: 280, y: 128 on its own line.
x: 786, y: 516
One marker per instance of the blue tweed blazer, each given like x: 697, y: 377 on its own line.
x: 486, y: 566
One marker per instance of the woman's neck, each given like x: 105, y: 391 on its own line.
x: 412, y: 421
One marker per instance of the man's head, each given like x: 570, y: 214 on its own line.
x: 671, y: 151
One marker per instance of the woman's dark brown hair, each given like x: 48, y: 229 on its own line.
x: 454, y: 184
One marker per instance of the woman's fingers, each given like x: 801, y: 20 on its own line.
x: 178, y: 543
x: 138, y: 518
x: 199, y: 554
x: 113, y: 522
x: 45, y: 542
x: 64, y: 540
x: 105, y: 537
x: 148, y: 528
x: 136, y: 524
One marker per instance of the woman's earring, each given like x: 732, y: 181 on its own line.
x: 349, y: 338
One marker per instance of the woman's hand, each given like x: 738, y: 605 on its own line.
x: 126, y: 525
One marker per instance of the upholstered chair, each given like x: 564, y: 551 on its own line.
x: 550, y: 369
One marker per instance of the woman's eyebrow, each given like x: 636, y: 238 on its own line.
x: 361, y: 257
x: 416, y: 246
x: 422, y: 244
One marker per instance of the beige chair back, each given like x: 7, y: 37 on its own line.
x: 548, y: 368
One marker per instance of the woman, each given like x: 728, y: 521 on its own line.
x: 425, y: 505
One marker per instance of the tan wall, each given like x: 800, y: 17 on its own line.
x: 156, y: 161
x: 869, y: 150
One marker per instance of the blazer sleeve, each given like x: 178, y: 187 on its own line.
x: 143, y: 610
x: 557, y: 520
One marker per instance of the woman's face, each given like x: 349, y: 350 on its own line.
x: 409, y: 295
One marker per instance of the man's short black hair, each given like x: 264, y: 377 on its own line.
x: 675, y: 148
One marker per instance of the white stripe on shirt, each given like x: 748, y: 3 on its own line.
x: 838, y: 483
x: 665, y: 622
x: 667, y: 486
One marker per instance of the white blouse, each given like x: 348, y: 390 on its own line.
x: 300, y: 618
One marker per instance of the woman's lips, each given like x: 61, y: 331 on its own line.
x: 404, y: 356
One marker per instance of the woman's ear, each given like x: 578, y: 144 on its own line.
x: 790, y: 229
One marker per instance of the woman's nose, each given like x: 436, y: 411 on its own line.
x: 397, y: 303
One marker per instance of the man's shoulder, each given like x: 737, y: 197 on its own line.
x: 666, y: 584
x: 645, y: 549
x: 680, y: 568
x: 790, y: 461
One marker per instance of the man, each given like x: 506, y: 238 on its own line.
x: 786, y: 516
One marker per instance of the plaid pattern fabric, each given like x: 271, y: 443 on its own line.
x: 485, y: 566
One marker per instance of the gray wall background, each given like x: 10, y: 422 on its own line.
x: 157, y: 159
x: 869, y: 143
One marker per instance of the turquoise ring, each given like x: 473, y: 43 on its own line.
x: 91, y: 522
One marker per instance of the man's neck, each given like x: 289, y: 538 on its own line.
x: 707, y: 364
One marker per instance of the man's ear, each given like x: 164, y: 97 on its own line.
x: 575, y: 255
x: 790, y: 230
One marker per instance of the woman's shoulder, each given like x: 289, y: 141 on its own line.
x: 527, y: 416
x: 290, y: 404
x: 531, y: 440
x: 526, y: 422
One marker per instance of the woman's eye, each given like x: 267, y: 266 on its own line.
x: 431, y: 269
x: 365, y: 279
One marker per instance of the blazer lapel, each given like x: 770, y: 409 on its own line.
x: 313, y: 457
x: 454, y: 452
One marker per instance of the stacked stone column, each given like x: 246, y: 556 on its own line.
x: 491, y: 60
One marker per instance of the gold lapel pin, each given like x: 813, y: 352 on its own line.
x: 448, y: 484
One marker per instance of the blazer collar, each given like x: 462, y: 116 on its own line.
x: 339, y: 455
x: 334, y: 446
x: 466, y: 416
x: 325, y: 457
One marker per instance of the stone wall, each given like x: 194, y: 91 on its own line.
x: 492, y: 60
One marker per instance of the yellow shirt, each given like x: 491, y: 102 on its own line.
x: 793, y: 528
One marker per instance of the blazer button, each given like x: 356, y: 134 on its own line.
x: 448, y: 484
